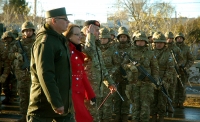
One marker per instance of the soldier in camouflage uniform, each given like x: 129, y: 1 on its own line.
x: 150, y: 38
x: 142, y: 89
x: 111, y: 60
x: 22, y: 73
x: 7, y: 76
x: 113, y: 37
x: 95, y: 67
x: 188, y: 60
x: 121, y: 108
x: 177, y: 52
x: 166, y: 67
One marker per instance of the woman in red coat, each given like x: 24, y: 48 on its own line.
x: 81, y: 87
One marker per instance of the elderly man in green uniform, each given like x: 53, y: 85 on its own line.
x: 50, y: 94
x: 21, y: 65
x: 166, y: 67
x: 188, y: 60
x: 95, y: 66
x: 142, y: 88
x: 174, y: 50
x: 111, y: 61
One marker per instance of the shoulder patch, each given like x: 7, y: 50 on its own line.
x: 44, y: 38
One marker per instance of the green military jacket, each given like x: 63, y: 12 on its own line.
x: 146, y: 58
x: 122, y: 48
x: 50, y: 74
x: 5, y: 60
x: 111, y: 59
x: 95, y: 66
x: 16, y: 50
x: 188, y: 58
x: 165, y: 63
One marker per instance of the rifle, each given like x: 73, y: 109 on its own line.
x: 26, y: 64
x: 146, y: 74
x: 107, y: 98
x: 177, y: 69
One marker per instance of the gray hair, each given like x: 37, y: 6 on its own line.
x: 48, y: 20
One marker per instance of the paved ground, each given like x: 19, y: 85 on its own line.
x: 10, y: 113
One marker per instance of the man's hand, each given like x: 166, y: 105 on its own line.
x: 93, y: 101
x: 59, y: 110
x: 91, y: 29
x: 112, y: 88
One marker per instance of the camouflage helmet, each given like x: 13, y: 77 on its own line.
x: 169, y: 35
x: 150, y: 34
x: 7, y: 34
x: 104, y: 33
x: 27, y: 25
x: 180, y: 35
x: 112, y: 32
x: 122, y: 31
x: 159, y: 37
x: 139, y: 35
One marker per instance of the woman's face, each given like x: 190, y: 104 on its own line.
x: 76, y: 36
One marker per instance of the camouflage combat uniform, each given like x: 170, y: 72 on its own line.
x: 188, y: 60
x: 177, y: 53
x: 121, y: 108
x: 142, y: 89
x: 111, y: 60
x: 166, y: 67
x: 9, y: 80
x: 22, y: 73
x: 97, y: 72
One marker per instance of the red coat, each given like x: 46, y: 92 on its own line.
x: 81, y: 87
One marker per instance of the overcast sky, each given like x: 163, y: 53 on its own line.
x: 98, y: 9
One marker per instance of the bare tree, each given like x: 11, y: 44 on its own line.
x: 146, y: 16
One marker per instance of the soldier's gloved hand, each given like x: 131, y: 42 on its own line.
x: 93, y: 101
x: 3, y: 78
x: 19, y: 56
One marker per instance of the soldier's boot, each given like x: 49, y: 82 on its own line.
x: 154, y: 118
x: 117, y: 118
x: 22, y: 119
x: 125, y: 117
x: 6, y: 101
x: 161, y: 119
x: 170, y: 110
x: 181, y: 106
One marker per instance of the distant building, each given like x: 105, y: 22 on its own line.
x: 79, y: 22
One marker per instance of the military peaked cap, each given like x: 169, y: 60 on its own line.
x: 55, y: 12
